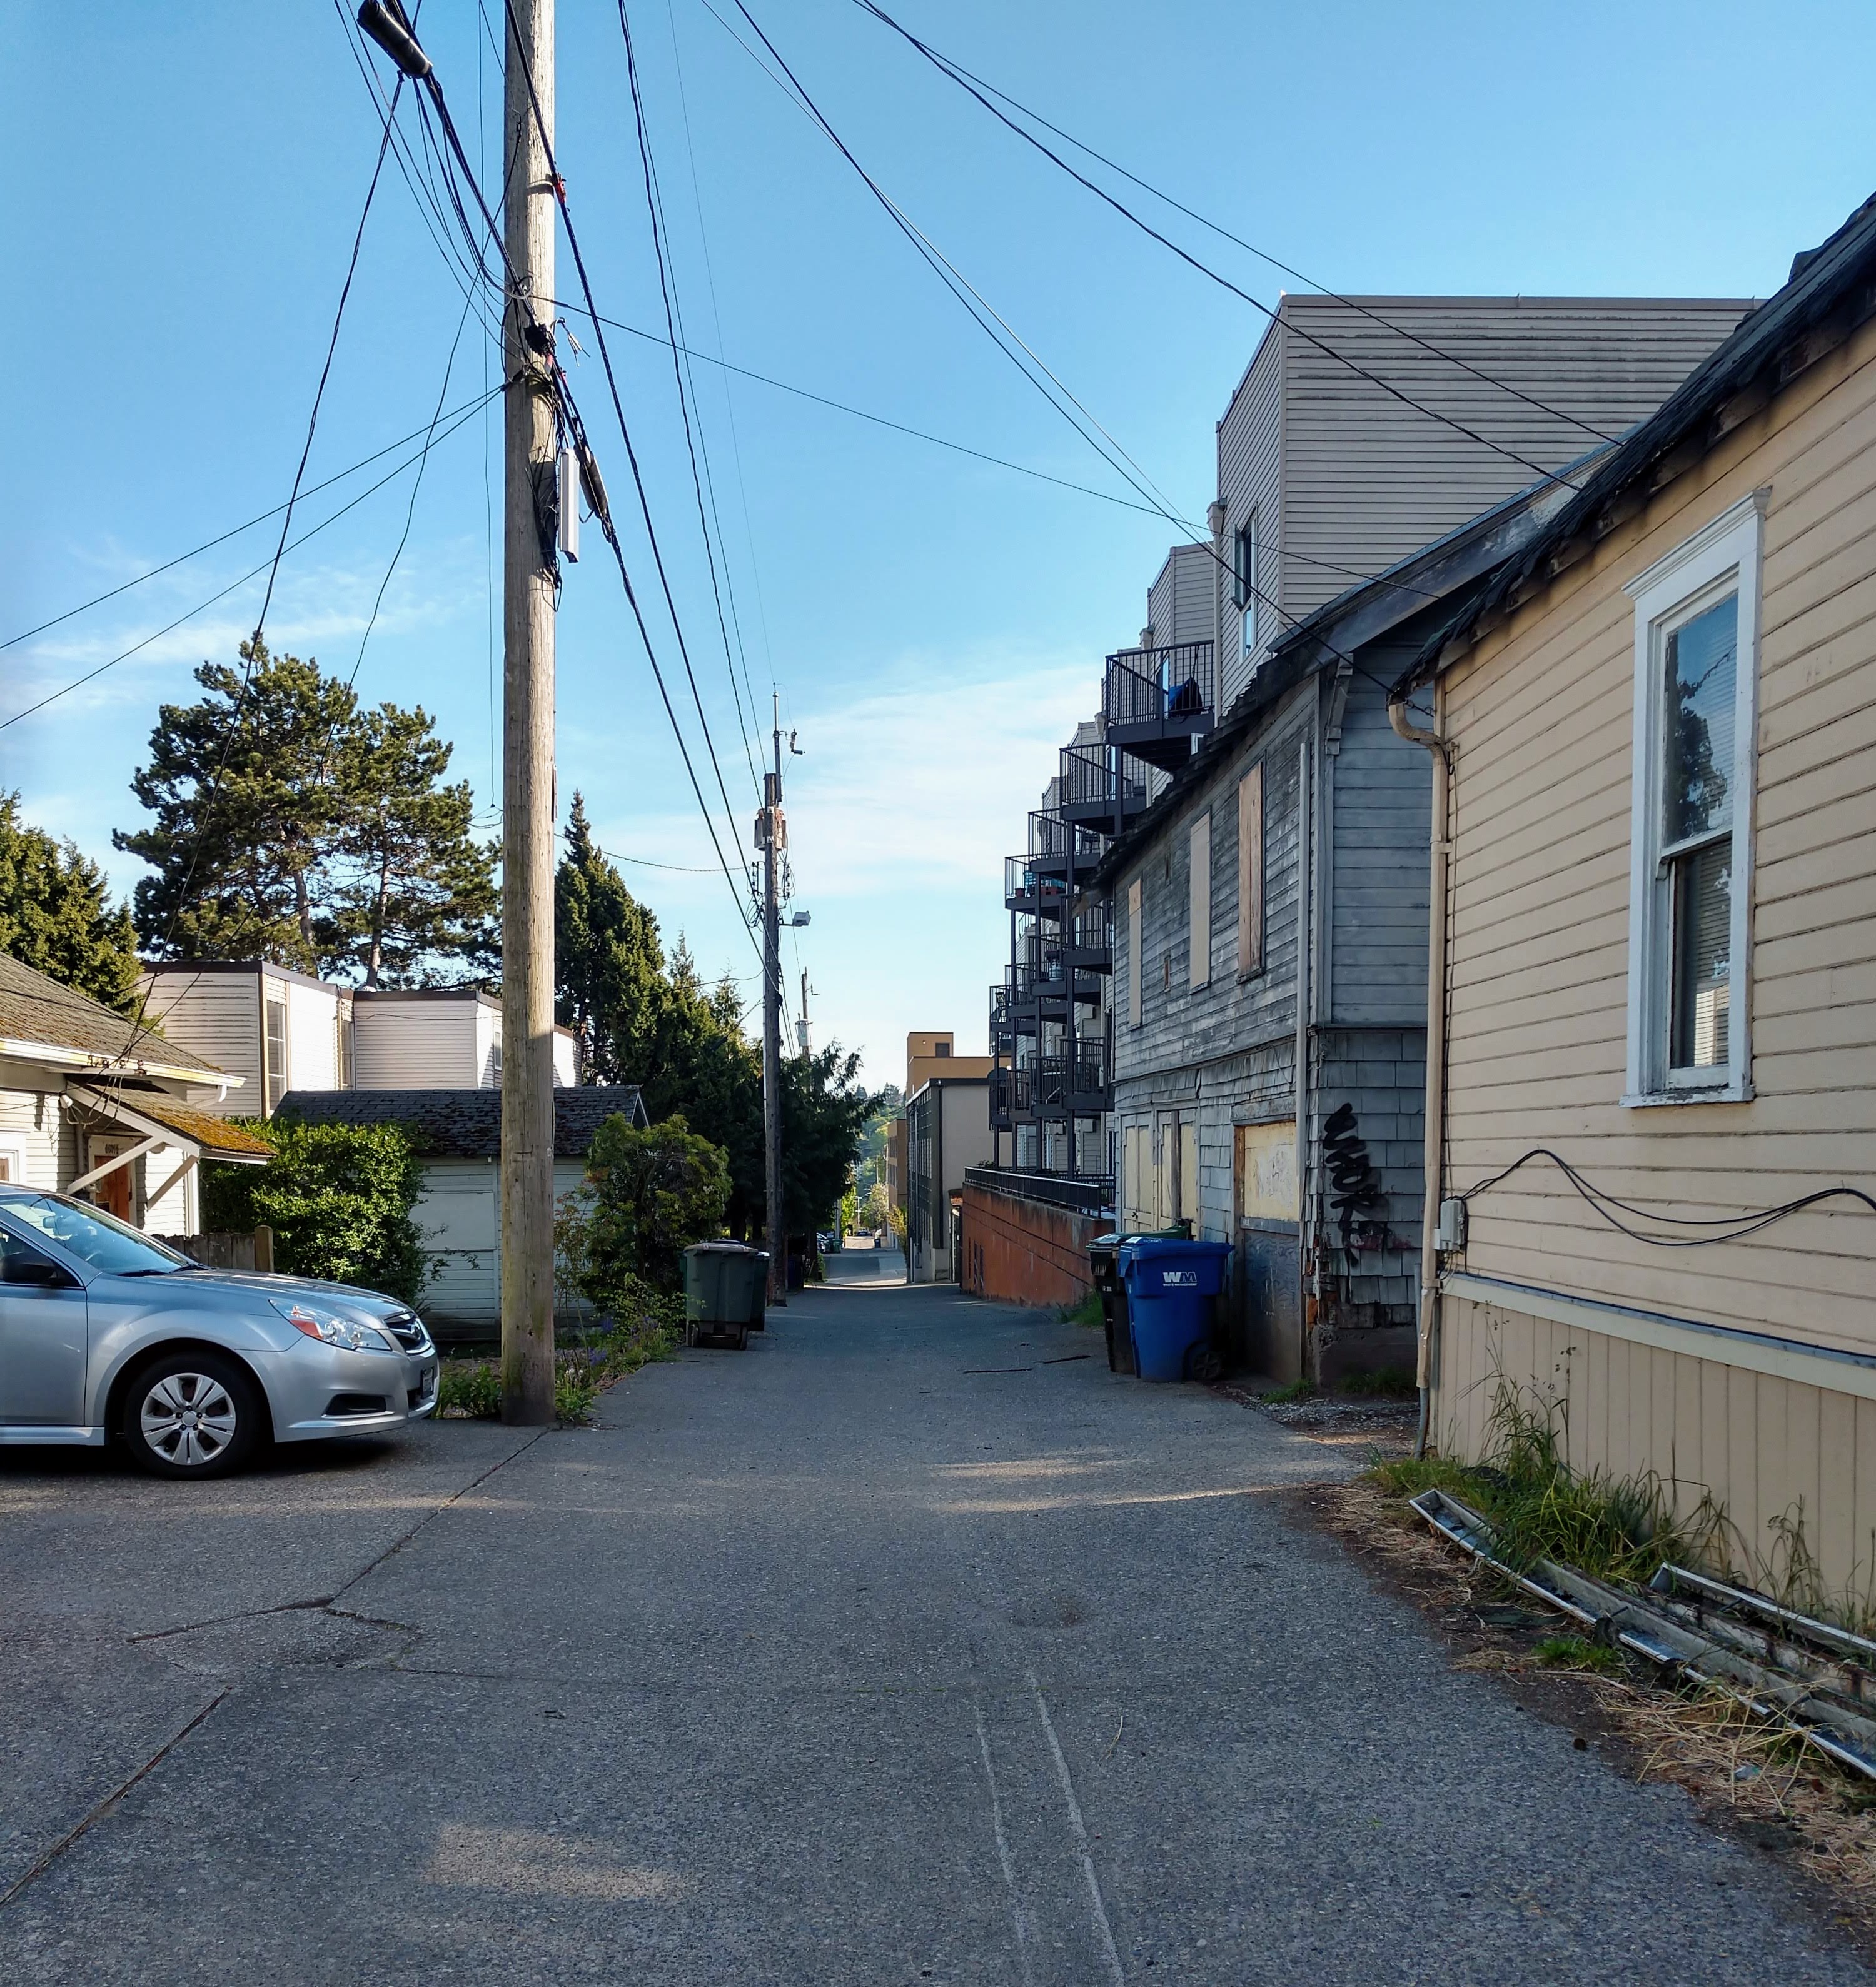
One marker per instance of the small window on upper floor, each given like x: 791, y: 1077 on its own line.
x: 1690, y: 905
x: 1247, y: 581
x: 277, y: 1072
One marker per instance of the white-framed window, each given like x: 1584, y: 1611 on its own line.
x: 1696, y: 644
x: 1247, y: 581
x: 1199, y: 909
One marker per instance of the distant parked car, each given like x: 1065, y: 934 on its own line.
x: 106, y: 1333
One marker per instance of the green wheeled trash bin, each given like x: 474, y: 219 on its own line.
x: 1103, y: 1264
x: 723, y: 1284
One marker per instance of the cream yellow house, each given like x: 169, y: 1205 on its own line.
x: 1651, y: 1095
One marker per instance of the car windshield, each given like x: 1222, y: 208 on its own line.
x: 106, y: 1243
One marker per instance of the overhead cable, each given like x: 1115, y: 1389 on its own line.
x: 955, y: 71
x: 654, y: 209
x: 1225, y: 282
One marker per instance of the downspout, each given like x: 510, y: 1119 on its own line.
x: 1433, y: 1165
x: 1305, y: 946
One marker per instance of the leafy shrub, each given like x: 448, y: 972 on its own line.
x: 655, y: 1193
x: 338, y: 1198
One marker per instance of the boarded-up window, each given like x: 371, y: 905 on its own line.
x: 1267, y: 1172
x: 1200, y: 917
x: 1251, y: 871
x: 1133, y: 954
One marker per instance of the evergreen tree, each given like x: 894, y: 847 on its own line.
x: 609, y: 963
x: 247, y: 804
x: 823, y: 1114
x: 412, y: 892
x: 55, y: 917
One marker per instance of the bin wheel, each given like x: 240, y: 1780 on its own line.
x: 1206, y: 1365
x: 742, y: 1339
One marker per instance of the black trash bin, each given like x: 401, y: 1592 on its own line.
x: 1104, y: 1262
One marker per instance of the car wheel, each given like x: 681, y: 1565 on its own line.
x: 191, y: 1414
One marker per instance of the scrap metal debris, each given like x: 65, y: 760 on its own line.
x: 1818, y: 1681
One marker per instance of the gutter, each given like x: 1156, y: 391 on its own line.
x: 56, y: 1056
x: 1440, y: 849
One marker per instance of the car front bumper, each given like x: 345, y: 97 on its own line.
x: 324, y: 1390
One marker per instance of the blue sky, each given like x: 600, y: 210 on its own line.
x: 186, y: 179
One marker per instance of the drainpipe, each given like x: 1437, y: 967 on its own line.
x: 1305, y: 944
x: 1433, y: 1167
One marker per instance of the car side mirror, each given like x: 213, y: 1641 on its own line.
x: 36, y: 1272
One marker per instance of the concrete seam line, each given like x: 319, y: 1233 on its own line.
x: 398, y: 1544
x: 106, y: 1806
x: 1003, y: 1851
x: 1079, y: 1830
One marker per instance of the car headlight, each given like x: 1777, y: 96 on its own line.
x: 330, y: 1329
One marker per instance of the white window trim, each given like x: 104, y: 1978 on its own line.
x: 1727, y: 552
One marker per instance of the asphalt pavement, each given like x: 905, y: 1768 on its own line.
x: 909, y: 1645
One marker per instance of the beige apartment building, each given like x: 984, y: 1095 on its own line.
x: 1651, y: 1095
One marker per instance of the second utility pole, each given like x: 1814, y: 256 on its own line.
x: 527, y: 1167
x: 772, y: 833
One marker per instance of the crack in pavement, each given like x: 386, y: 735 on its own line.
x: 100, y: 1810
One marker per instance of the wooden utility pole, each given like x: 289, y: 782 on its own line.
x: 528, y: 215
x: 772, y: 835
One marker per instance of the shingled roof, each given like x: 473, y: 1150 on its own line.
x: 465, y: 1124
x: 39, y: 1013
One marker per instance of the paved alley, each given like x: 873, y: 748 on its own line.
x: 910, y: 1645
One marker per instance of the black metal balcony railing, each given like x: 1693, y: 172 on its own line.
x: 1077, y: 1081
x: 1002, y: 1033
x: 1002, y: 1116
x: 1156, y: 701
x: 1099, y: 785
x: 1056, y: 844
x: 1091, y: 938
x: 1026, y: 888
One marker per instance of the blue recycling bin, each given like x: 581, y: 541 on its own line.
x: 1170, y: 1285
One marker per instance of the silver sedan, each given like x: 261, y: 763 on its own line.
x: 105, y: 1332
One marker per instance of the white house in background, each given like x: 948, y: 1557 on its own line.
x: 458, y: 1133
x: 92, y: 1105
x: 279, y: 1029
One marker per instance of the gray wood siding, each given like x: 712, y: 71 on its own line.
x: 1180, y: 1025
x: 1378, y: 790
x: 1251, y: 449
x: 1366, y: 479
x: 1179, y: 603
x: 216, y: 1016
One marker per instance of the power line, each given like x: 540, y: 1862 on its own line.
x: 461, y: 417
x: 655, y: 208
x: 957, y: 73
x: 539, y: 337
x: 1224, y: 282
x: 957, y: 447
x: 947, y: 272
x: 638, y: 480
x: 209, y: 545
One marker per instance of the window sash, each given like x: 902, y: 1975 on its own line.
x: 1667, y: 1013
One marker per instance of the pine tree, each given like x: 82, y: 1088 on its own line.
x: 611, y: 989
x: 247, y: 804
x: 411, y: 896
x: 55, y: 915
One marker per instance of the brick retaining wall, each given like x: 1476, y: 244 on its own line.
x: 1026, y: 1252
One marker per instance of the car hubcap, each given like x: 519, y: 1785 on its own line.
x: 188, y: 1418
